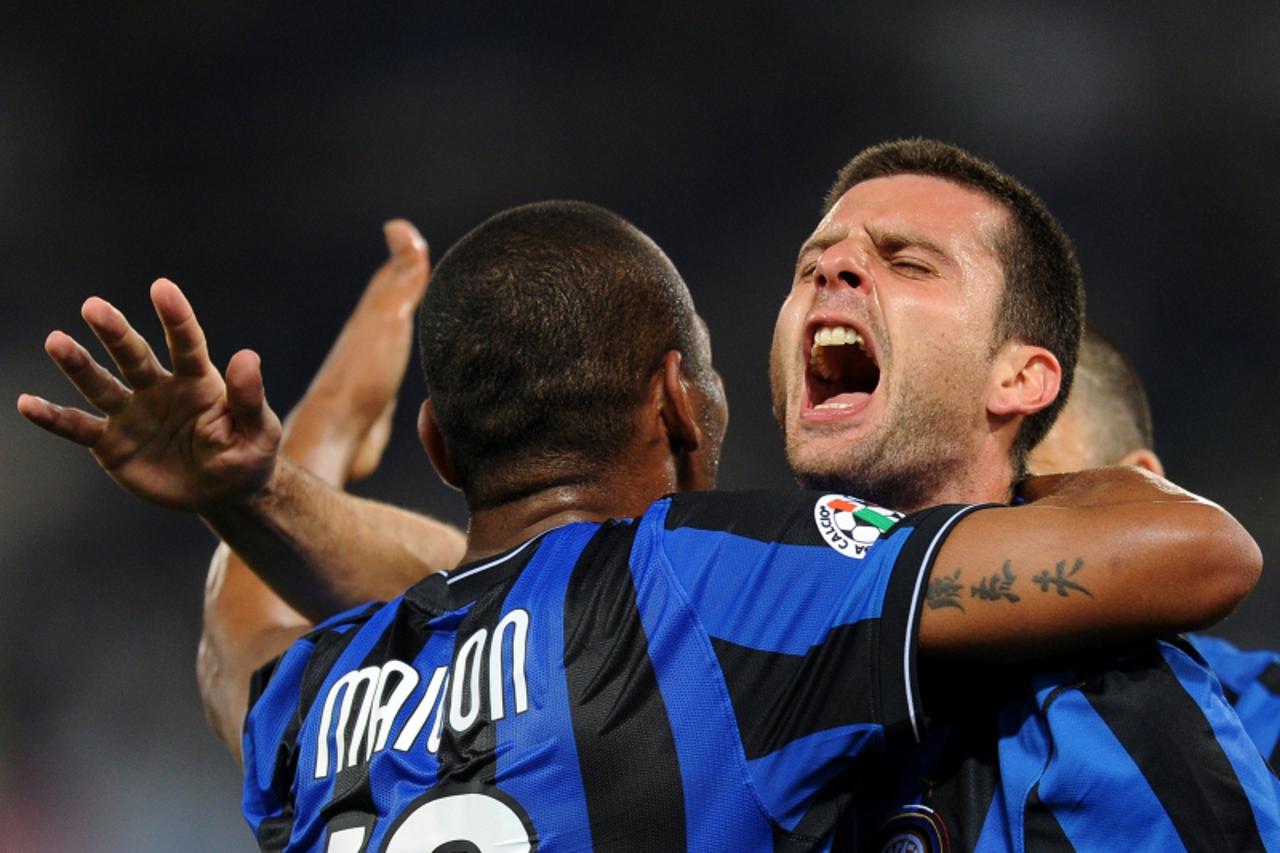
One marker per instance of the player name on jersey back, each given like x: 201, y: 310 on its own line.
x: 373, y: 697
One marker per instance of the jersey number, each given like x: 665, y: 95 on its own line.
x: 449, y: 821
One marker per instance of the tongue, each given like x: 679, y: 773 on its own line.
x: 846, y: 400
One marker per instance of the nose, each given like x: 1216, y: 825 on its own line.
x: 840, y: 264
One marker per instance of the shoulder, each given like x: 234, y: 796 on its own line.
x: 314, y: 651
x: 790, y: 517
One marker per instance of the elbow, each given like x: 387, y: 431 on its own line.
x: 1230, y: 568
x: 215, y: 688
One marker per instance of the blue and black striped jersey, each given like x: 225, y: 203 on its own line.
x: 1251, y: 682
x: 710, y: 676
x: 1140, y: 752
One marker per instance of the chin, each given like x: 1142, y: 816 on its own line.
x: 904, y: 487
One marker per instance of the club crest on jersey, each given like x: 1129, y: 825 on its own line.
x: 914, y: 829
x: 851, y: 526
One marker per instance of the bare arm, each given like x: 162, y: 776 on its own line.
x: 337, y: 432
x: 1097, y: 558
x: 189, y: 439
x: 324, y: 550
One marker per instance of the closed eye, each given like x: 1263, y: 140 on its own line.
x: 911, y: 267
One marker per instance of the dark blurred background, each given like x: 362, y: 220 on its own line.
x: 250, y: 151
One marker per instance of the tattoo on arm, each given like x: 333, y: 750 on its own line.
x: 996, y: 586
x: 1059, y: 579
x: 946, y: 590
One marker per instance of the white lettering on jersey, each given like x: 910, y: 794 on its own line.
x: 377, y: 694
x: 518, y: 622
x: 466, y: 682
x: 413, y: 727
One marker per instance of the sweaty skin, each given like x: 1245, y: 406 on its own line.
x: 907, y: 261
x: 318, y: 542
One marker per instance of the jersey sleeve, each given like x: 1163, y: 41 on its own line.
x: 811, y: 603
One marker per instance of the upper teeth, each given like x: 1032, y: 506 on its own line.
x: 831, y: 336
x: 834, y: 336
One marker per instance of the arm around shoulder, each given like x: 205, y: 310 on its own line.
x: 1096, y: 558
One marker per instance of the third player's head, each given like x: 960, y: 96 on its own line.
x: 543, y: 333
x: 933, y: 319
x: 1107, y: 420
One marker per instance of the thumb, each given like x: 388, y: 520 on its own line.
x: 408, y: 249
x: 246, y: 392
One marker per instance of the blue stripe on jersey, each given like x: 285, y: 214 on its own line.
x: 1259, y: 711
x: 1023, y: 749
x: 312, y: 797
x: 791, y: 577
x: 1257, y: 705
x: 268, y: 719
x: 1092, y: 819
x: 1262, y: 787
x: 537, y: 750
x: 1236, y: 669
x: 697, y: 700
x: 788, y: 778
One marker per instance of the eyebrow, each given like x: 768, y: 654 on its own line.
x: 893, y: 240
x: 884, y: 239
x: 821, y: 242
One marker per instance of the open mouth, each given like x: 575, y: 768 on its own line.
x: 841, y: 373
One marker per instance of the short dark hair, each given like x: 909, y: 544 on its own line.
x: 1043, y: 298
x: 538, y: 334
x: 1110, y: 391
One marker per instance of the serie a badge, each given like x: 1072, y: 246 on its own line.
x: 851, y: 526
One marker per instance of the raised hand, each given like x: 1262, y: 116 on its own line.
x: 338, y: 432
x: 184, y: 438
x: 340, y: 428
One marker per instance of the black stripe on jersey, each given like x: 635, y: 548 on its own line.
x: 1270, y: 678
x: 778, y: 697
x: 470, y: 757
x: 1180, y: 758
x: 274, y: 832
x: 1040, y: 829
x: 352, y: 795
x: 615, y: 703
x: 785, y: 517
x: 961, y: 780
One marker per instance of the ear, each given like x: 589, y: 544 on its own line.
x: 1145, y: 458
x: 677, y: 408
x: 1024, y: 379
x: 433, y: 443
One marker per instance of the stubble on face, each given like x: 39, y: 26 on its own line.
x: 923, y: 435
x: 912, y: 455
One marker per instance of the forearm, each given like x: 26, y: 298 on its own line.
x: 1099, y: 559
x: 323, y: 550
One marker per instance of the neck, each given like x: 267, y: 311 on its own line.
x: 548, y: 505
x: 988, y: 478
